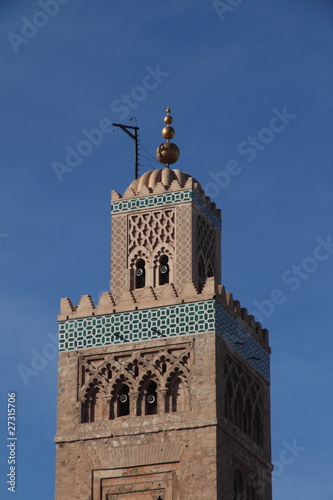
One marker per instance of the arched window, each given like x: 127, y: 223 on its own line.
x: 163, y: 270
x: 123, y: 401
x: 151, y: 399
x: 175, y: 397
x: 91, y: 408
x: 140, y: 274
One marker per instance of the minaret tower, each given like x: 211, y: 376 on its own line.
x: 164, y: 384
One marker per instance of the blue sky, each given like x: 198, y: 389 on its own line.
x: 226, y: 73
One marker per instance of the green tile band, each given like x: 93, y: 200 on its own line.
x: 159, y: 200
x: 163, y: 322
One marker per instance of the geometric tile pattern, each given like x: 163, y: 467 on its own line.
x: 164, y: 199
x: 151, y: 201
x: 242, y: 341
x: 209, y: 214
x: 161, y: 322
x: 133, y: 326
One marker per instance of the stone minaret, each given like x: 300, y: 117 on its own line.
x: 164, y: 384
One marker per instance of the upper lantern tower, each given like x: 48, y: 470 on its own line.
x: 165, y: 230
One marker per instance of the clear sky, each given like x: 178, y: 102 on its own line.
x: 250, y: 87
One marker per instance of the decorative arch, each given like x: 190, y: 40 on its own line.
x: 148, y: 389
x: 139, y: 259
x: 92, y: 402
x: 243, y: 400
x: 176, y: 396
x: 120, y: 398
x: 163, y: 256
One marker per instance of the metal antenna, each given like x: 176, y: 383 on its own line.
x: 127, y: 128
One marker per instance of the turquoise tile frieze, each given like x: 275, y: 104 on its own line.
x: 159, y: 200
x: 209, y: 214
x: 242, y: 341
x: 146, y: 324
x: 155, y: 200
x: 161, y: 322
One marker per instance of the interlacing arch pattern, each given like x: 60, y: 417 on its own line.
x: 205, y: 250
x: 142, y: 383
x: 151, y: 228
x: 243, y: 400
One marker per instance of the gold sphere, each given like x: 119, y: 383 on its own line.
x: 168, y: 132
x: 167, y: 153
x: 168, y: 120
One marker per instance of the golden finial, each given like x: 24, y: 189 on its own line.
x: 167, y: 152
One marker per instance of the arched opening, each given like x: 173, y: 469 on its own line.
x: 123, y: 401
x: 140, y: 274
x: 151, y: 399
x: 91, y: 408
x: 164, y: 270
x: 175, y: 397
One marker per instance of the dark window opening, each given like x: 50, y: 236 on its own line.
x: 123, y: 401
x: 140, y: 274
x: 164, y: 270
x: 89, y: 407
x: 151, y: 399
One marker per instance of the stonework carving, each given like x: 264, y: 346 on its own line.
x: 205, y: 250
x: 243, y: 400
x: 120, y: 280
x: 183, y: 264
x: 150, y: 229
x: 162, y: 373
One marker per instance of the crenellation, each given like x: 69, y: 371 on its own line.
x: 105, y: 303
x: 66, y: 307
x: 244, y: 315
x: 230, y: 303
x: 160, y: 296
x: 85, y: 306
x: 115, y: 196
x: 237, y: 308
